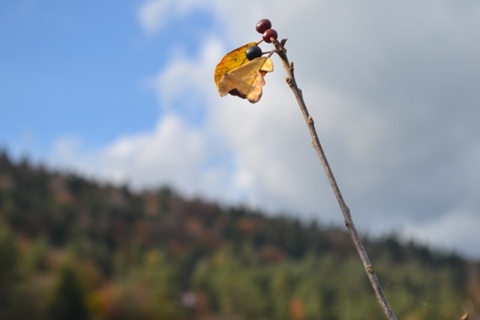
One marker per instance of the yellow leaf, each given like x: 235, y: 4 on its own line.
x: 232, y: 60
x: 247, y: 80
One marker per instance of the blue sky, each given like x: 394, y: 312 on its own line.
x: 123, y: 91
x: 80, y: 69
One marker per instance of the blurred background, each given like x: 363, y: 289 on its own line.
x: 112, y: 133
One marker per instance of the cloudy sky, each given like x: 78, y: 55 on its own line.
x: 123, y: 90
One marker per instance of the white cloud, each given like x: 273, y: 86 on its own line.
x: 188, y: 76
x: 152, y: 14
x: 156, y: 14
x: 65, y: 150
x: 456, y: 230
x: 170, y: 153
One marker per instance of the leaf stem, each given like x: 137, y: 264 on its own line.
x: 289, y: 68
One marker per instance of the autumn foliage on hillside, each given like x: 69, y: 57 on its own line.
x: 73, y: 248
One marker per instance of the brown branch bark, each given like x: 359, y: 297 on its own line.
x: 382, y: 300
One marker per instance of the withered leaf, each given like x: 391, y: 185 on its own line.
x: 247, y: 80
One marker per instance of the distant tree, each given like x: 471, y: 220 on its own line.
x: 68, y: 301
x: 8, y: 273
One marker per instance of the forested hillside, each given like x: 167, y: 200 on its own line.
x: 72, y: 248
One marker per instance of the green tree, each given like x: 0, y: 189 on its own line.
x: 8, y: 273
x: 68, y: 301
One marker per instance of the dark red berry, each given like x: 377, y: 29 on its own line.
x: 268, y: 34
x: 253, y: 52
x: 263, y: 25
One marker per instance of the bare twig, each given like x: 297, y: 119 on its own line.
x: 282, y: 52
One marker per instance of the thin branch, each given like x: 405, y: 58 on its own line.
x: 382, y: 300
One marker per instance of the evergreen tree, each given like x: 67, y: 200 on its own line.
x: 8, y: 273
x: 68, y: 303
